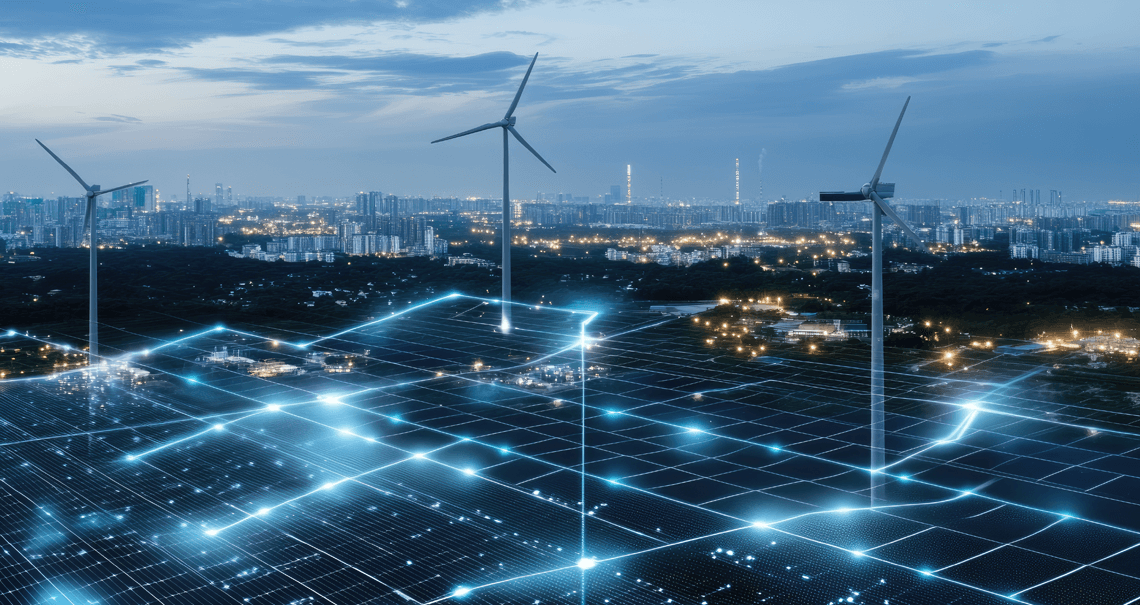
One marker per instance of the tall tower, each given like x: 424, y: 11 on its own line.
x: 737, y: 181
x: 218, y: 189
x: 189, y: 199
x: 629, y: 183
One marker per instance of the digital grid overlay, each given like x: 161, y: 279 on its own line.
x: 581, y: 458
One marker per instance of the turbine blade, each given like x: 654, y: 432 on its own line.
x: 529, y: 148
x: 65, y: 166
x: 890, y: 142
x: 890, y: 212
x: 467, y: 132
x: 518, y: 95
x: 102, y: 191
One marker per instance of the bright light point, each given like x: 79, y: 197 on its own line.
x: 967, y: 493
x: 504, y: 450
x: 904, y: 477
x: 418, y: 455
x: 841, y: 510
x: 760, y: 525
x: 344, y: 431
x: 857, y: 553
x: 328, y: 486
x: 218, y: 329
x: 331, y: 400
x: 130, y: 457
x: 587, y: 563
x: 973, y: 405
x: 468, y: 471
x: 925, y: 572
x: 461, y: 591
x: 11, y: 332
x: 273, y: 407
x: 211, y: 532
x: 694, y: 430
x: 264, y: 511
x: 218, y: 427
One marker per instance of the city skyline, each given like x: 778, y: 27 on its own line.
x: 344, y: 103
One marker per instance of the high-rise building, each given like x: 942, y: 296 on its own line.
x: 737, y: 180
x: 629, y: 183
x: 218, y: 189
x: 300, y: 200
x: 230, y: 195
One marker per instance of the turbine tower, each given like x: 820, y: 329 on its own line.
x: 93, y: 191
x: 875, y: 192
x: 508, y: 125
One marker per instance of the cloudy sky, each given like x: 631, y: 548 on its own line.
x: 326, y: 98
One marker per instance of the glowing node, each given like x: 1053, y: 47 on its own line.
x: 925, y: 572
x: 904, y: 477
x: 418, y: 455
x: 857, y: 553
x: 130, y: 457
x: 973, y: 405
x: 504, y: 450
x: 11, y: 332
x: 587, y: 563
x: 695, y: 430
x: 468, y: 471
x: 211, y: 532
x: 273, y: 407
x: 760, y: 525
x: 328, y: 486
x: 264, y: 511
x: 461, y: 591
x: 219, y: 427
x: 841, y: 510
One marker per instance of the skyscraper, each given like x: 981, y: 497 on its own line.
x: 628, y: 183
x: 738, y: 181
x: 218, y: 195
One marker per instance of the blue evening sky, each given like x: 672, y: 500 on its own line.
x: 327, y: 98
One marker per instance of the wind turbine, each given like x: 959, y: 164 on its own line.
x: 93, y: 191
x: 875, y: 192
x: 508, y: 125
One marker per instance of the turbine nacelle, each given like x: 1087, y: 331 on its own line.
x: 866, y: 191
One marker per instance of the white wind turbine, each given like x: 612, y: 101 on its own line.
x: 508, y: 125
x: 875, y: 192
x: 93, y: 191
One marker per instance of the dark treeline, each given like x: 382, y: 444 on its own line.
x: 980, y: 293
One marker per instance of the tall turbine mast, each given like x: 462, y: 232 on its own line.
x: 508, y: 125
x: 875, y: 192
x: 93, y: 191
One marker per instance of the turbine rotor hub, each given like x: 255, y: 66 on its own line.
x: 866, y: 190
